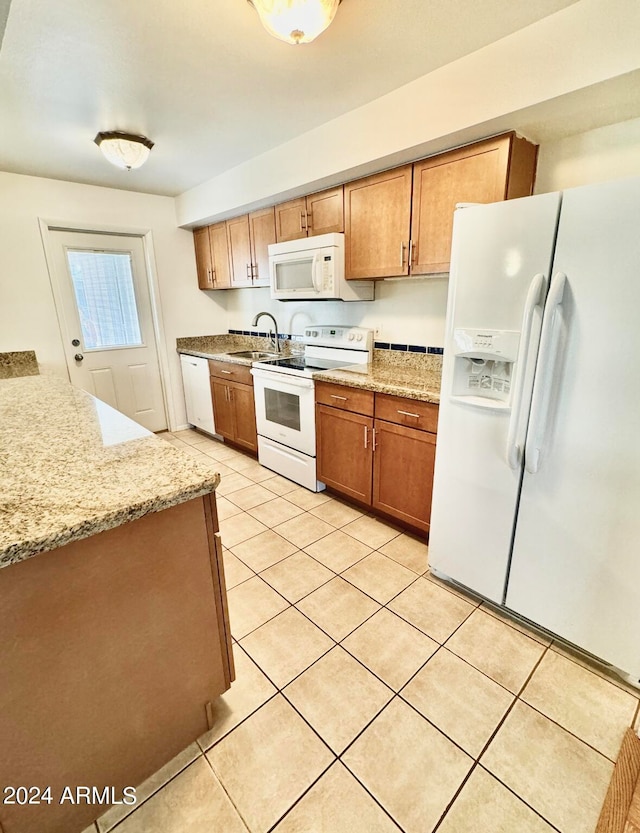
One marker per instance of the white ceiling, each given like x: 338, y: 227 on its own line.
x: 205, y: 82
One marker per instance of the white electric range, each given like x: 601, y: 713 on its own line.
x: 285, y: 398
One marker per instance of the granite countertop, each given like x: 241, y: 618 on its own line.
x: 219, y: 347
x: 414, y: 376
x: 400, y: 373
x: 71, y: 466
x: 18, y: 363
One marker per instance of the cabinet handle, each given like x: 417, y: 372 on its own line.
x: 302, y: 228
x: 402, y: 251
x: 365, y: 436
x: 254, y: 277
x: 408, y: 413
x: 249, y: 273
x: 230, y: 373
x: 343, y: 398
x: 412, y: 246
x: 308, y: 221
x: 213, y: 276
x: 373, y: 431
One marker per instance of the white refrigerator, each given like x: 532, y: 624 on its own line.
x: 536, y: 501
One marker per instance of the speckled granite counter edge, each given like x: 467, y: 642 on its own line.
x: 352, y: 380
x: 22, y: 550
x: 18, y: 363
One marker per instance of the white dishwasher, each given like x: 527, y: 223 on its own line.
x: 197, y: 392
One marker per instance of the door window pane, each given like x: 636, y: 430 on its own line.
x: 106, y: 301
x: 282, y: 408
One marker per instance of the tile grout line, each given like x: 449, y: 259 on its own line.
x: 517, y: 697
x: 224, y: 789
x: 151, y: 794
x: 476, y: 762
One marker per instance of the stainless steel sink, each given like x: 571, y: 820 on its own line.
x: 254, y: 355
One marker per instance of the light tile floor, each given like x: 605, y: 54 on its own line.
x: 369, y: 696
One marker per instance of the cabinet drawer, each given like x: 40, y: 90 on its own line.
x: 410, y: 412
x: 231, y: 372
x: 348, y: 399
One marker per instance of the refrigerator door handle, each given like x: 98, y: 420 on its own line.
x: 544, y: 374
x: 534, y: 299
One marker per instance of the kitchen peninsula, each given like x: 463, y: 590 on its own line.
x: 112, y: 601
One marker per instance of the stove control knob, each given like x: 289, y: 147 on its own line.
x: 351, y: 336
x: 307, y: 332
x: 359, y: 337
x: 314, y: 333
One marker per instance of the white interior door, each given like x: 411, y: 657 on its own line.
x: 106, y: 322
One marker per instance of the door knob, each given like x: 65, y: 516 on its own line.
x: 76, y: 342
x: 78, y: 357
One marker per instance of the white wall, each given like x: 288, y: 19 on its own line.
x: 27, y: 312
x: 581, y: 46
x: 606, y: 153
x: 407, y: 311
x: 413, y: 311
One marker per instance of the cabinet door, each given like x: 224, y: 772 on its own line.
x: 403, y: 473
x: 244, y: 411
x: 325, y: 211
x: 222, y: 409
x: 239, y: 250
x: 477, y: 173
x: 262, y: 226
x: 377, y: 213
x: 204, y: 265
x: 290, y: 220
x: 343, y: 447
x: 220, y: 256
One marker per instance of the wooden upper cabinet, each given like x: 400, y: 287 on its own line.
x: 212, y: 257
x: 290, y: 223
x: 319, y: 213
x: 396, y: 223
x: 249, y: 237
x: 220, y: 263
x: 377, y: 215
x: 325, y: 211
x: 497, y: 169
x: 203, y: 258
x: 262, y: 232
x: 239, y: 250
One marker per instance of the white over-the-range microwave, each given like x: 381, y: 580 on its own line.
x: 312, y: 269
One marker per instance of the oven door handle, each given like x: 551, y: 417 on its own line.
x: 281, y: 380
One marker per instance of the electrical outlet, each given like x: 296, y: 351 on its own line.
x: 377, y: 330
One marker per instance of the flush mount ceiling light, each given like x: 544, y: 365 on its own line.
x: 124, y: 150
x: 296, y: 21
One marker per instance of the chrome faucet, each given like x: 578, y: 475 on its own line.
x: 274, y: 336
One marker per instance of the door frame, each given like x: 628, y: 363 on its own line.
x: 146, y: 236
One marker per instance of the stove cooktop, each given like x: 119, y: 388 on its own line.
x: 301, y: 365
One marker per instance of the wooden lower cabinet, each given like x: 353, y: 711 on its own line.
x: 223, y: 411
x: 245, y: 417
x: 344, y: 448
x: 403, y: 473
x: 115, y: 649
x: 386, y: 464
x: 234, y: 413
